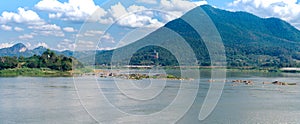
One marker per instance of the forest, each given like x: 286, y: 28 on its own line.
x: 48, y: 60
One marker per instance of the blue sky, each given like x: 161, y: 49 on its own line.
x: 57, y: 24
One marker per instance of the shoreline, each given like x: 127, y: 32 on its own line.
x: 38, y: 72
x: 33, y: 72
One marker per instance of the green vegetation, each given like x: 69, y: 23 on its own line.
x: 33, y: 72
x: 145, y: 76
x: 48, y: 64
x: 249, y: 41
x: 171, y: 77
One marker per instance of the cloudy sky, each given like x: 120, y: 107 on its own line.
x: 57, y: 24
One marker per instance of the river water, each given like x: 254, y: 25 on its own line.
x: 88, y: 100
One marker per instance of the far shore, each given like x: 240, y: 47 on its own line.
x: 38, y: 72
x: 235, y: 69
x: 33, y: 72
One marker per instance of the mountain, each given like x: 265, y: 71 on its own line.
x: 20, y: 49
x: 39, y: 50
x: 248, y: 39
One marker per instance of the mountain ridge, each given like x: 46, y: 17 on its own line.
x: 248, y: 39
x: 19, y: 49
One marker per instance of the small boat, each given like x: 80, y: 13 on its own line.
x: 292, y: 83
x: 283, y: 83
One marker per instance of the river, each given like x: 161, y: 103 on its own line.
x: 36, y: 100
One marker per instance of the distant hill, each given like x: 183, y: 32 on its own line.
x: 249, y: 41
x: 47, y: 64
x: 20, y: 49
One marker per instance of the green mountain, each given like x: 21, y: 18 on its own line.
x: 253, y: 41
x: 249, y: 41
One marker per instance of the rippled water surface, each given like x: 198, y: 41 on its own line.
x: 56, y: 100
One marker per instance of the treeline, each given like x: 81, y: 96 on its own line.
x: 47, y: 60
x: 234, y: 58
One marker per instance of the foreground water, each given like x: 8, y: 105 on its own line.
x: 55, y: 100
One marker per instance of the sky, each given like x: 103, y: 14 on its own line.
x: 107, y: 24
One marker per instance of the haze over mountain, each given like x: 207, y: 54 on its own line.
x: 248, y: 39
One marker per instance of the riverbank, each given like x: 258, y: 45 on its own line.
x: 45, y: 72
x: 231, y: 69
x: 33, y: 72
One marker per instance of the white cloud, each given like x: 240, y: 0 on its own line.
x: 79, y: 10
x: 74, y: 10
x: 117, y: 10
x: 178, y: 7
x: 26, y: 36
x: 6, y: 45
x: 106, y: 48
x: 174, y: 8
x: 135, y: 8
x: 6, y: 27
x: 53, y: 5
x: 22, y: 16
x: 126, y: 15
x: 18, y: 29
x: 47, y: 30
x: 55, y: 15
x: 66, y: 44
x: 134, y: 16
x: 69, y: 29
x: 288, y: 10
x: 27, y: 44
x: 45, y: 27
x: 52, y: 33
x: 107, y: 38
x: 140, y: 20
x: 147, y: 1
x: 92, y: 33
x: 85, y: 45
x: 201, y: 2
x: 43, y: 44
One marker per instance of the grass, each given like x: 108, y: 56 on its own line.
x: 33, y: 72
